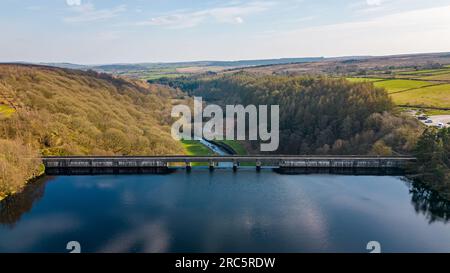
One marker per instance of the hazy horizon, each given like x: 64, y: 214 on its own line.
x: 221, y: 60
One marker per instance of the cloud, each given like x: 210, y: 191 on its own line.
x: 422, y: 30
x: 374, y: 2
x: 88, y: 13
x: 34, y: 230
x: 232, y: 14
x: 239, y: 20
x: 73, y: 2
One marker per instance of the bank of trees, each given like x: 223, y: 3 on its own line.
x: 18, y: 163
x: 69, y: 112
x: 317, y: 115
x: 433, y: 158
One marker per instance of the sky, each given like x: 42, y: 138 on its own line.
x: 137, y: 31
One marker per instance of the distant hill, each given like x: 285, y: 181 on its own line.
x: 146, y: 66
x: 352, y: 64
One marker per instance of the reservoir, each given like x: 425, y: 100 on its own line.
x: 222, y: 211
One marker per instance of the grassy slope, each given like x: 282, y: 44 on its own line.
x: 194, y: 147
x: 364, y: 79
x: 236, y: 146
x: 418, y: 88
x: 400, y: 85
x: 434, y: 96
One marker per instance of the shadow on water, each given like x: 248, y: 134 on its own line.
x: 428, y: 202
x: 342, y: 171
x: 14, y: 207
x: 106, y: 171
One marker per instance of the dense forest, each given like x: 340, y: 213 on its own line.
x: 58, y: 111
x: 317, y: 115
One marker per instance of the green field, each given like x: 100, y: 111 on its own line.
x: 393, y: 86
x: 423, y: 91
x: 364, y: 79
x: 6, y: 111
x: 194, y: 147
x: 426, y: 88
x: 435, y: 96
x: 235, y: 145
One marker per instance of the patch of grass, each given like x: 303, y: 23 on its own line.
x: 235, y: 145
x: 364, y: 79
x: 6, y: 111
x: 433, y: 96
x: 194, y: 147
x: 393, y: 86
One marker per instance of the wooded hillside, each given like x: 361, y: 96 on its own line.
x: 317, y: 115
x: 54, y: 111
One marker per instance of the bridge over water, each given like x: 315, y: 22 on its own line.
x: 259, y: 161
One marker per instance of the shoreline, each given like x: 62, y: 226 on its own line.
x: 33, y: 179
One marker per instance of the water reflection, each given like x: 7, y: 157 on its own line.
x: 222, y: 211
x: 14, y: 207
x: 429, y: 203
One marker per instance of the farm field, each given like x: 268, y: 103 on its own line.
x: 428, y: 89
x: 437, y: 77
x: 435, y: 96
x: 364, y: 79
x: 397, y: 85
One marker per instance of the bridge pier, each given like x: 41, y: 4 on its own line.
x: 211, y: 165
x: 235, y: 166
x: 258, y: 166
x: 188, y: 166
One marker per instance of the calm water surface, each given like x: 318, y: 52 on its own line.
x: 224, y: 212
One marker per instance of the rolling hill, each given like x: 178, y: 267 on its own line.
x: 56, y: 111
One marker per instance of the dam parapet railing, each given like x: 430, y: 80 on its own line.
x: 259, y: 161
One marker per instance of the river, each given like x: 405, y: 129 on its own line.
x: 222, y: 211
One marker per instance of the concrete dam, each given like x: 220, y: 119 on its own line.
x: 138, y: 164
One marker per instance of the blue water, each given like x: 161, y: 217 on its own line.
x: 222, y: 211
